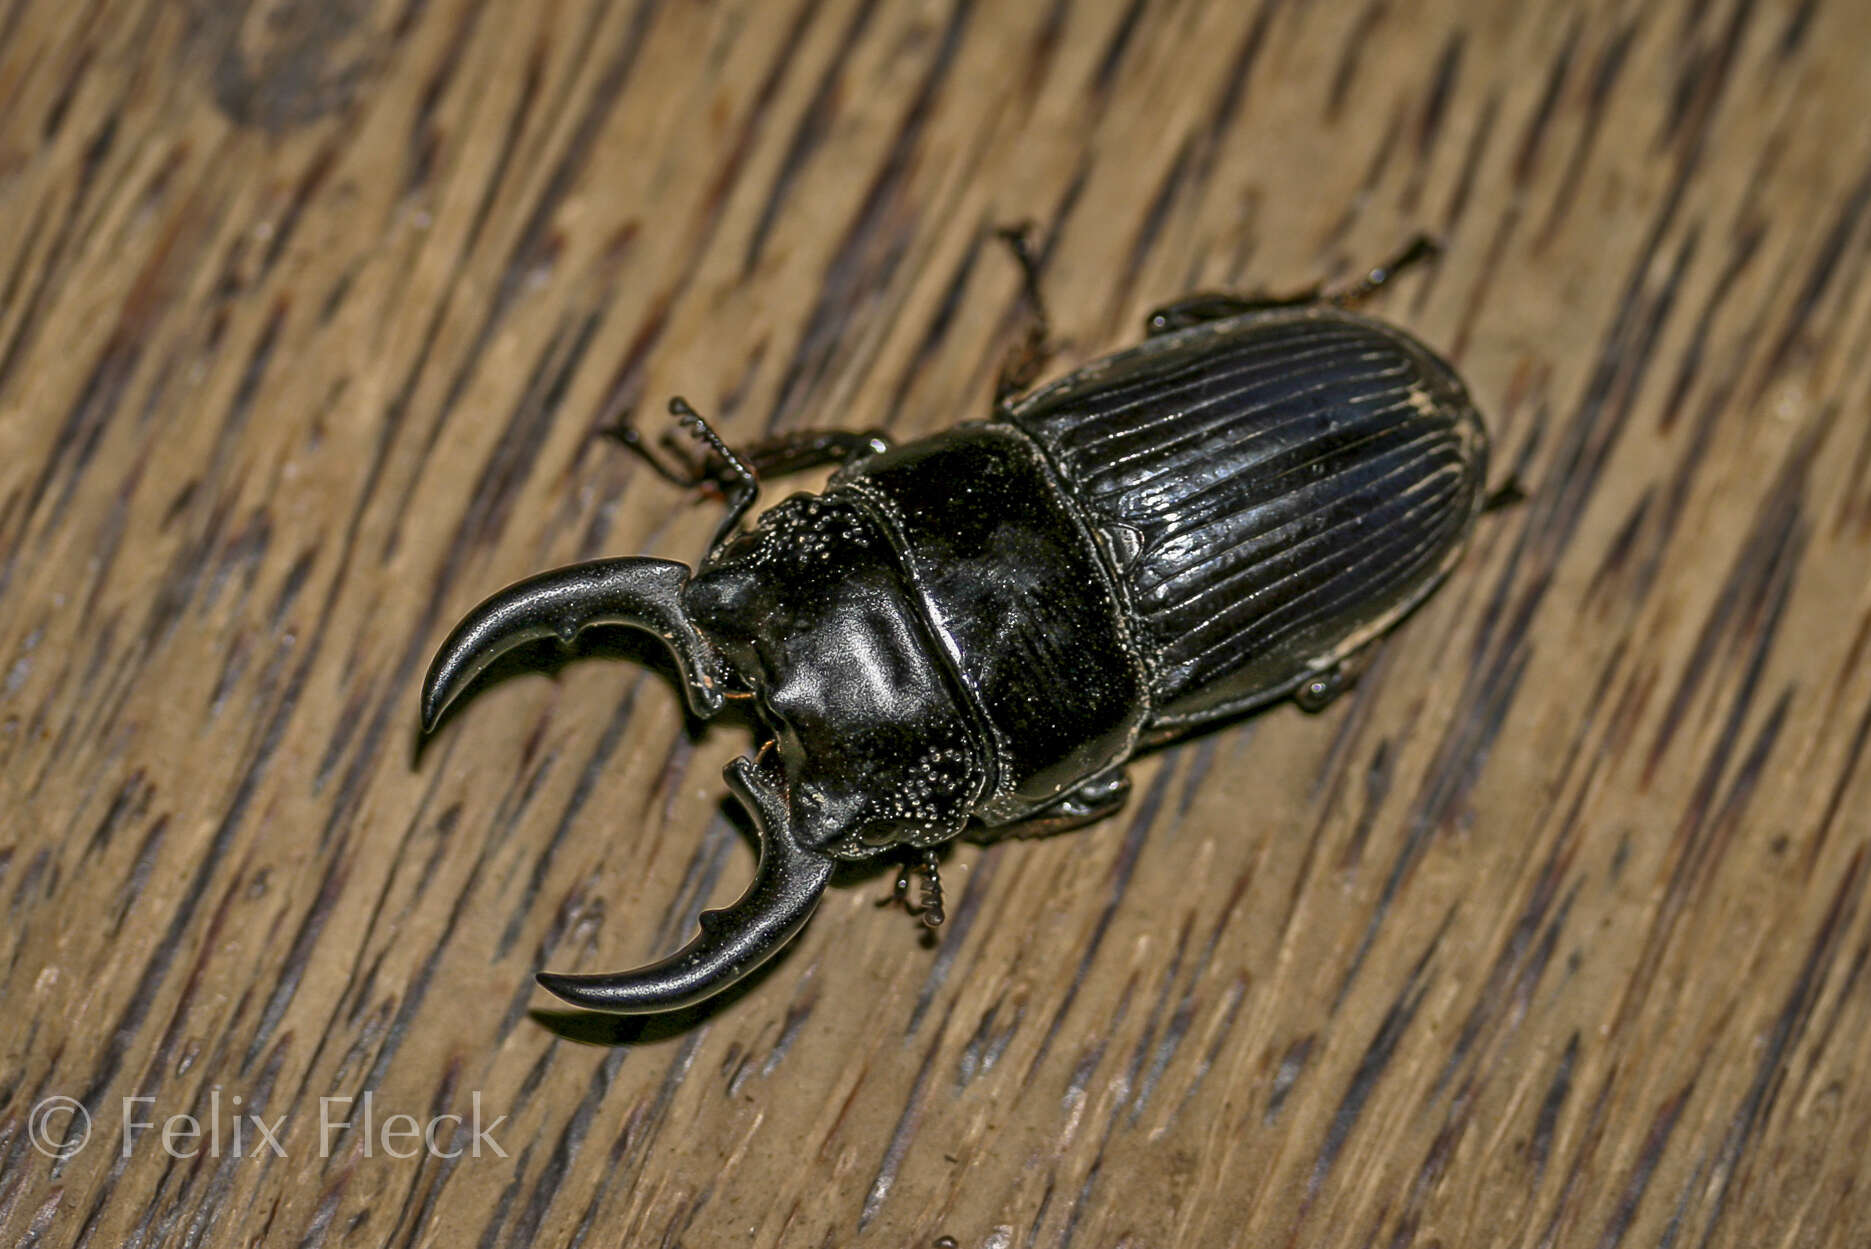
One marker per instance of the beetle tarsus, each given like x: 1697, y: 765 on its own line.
x: 674, y: 465
x: 900, y: 891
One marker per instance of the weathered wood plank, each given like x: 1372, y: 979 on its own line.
x: 1554, y: 932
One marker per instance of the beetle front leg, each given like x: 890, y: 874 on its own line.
x: 735, y: 475
x: 797, y: 451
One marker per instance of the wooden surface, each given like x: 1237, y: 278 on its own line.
x: 1555, y: 932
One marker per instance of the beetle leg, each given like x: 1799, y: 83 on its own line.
x: 929, y: 906
x: 1027, y: 358
x: 720, y: 466
x: 1507, y: 494
x: 1419, y: 249
x: 794, y: 452
x: 1320, y: 689
x: 675, y: 465
x: 804, y: 449
x: 738, y: 482
x: 1220, y: 305
x: 1089, y: 803
x: 900, y: 892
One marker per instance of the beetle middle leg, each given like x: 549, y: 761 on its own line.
x: 1027, y: 358
x: 1220, y: 305
x: 1321, y: 688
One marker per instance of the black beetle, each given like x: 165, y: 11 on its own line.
x: 982, y: 627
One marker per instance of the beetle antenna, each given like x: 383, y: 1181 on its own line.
x: 739, y: 483
x: 930, y: 904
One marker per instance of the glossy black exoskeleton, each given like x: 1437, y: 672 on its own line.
x: 979, y: 629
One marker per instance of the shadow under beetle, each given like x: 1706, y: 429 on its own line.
x: 985, y: 625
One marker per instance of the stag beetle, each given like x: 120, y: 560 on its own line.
x: 979, y: 629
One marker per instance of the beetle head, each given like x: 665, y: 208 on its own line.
x: 808, y: 617
x: 811, y: 613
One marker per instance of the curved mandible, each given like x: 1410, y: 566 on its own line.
x: 641, y: 592
x: 786, y: 889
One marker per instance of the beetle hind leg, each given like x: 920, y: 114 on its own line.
x: 1421, y: 248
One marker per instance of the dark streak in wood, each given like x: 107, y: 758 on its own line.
x: 1435, y: 110
x: 1605, y: 74
x: 1371, y: 1067
x: 1825, y: 267
x: 1534, y: 138
x: 1351, y: 56
x: 873, y: 242
x: 1540, y: 1147
x: 1105, y: 75
x: 814, y: 125
x: 1759, y: 575
x: 1141, y: 822
x: 900, y: 1137
x: 1795, y: 1014
x: 1662, y: 1125
x: 1464, y: 189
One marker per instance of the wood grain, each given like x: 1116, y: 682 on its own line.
x: 1554, y: 932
